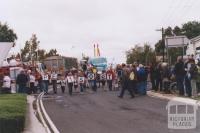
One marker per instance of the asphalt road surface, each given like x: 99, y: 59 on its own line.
x: 104, y: 112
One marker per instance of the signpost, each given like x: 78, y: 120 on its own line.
x: 174, y: 42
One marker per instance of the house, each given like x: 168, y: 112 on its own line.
x: 194, y: 47
x: 60, y: 63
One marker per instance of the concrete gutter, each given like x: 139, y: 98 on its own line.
x: 172, y: 97
x: 45, y: 119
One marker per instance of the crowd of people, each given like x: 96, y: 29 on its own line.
x: 185, y: 74
x: 124, y: 77
x: 133, y: 78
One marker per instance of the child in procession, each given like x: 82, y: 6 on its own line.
x: 63, y: 84
x: 70, y: 82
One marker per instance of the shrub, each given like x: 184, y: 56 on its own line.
x: 12, y: 113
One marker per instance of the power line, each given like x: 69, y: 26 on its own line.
x: 174, y: 7
x: 185, y: 10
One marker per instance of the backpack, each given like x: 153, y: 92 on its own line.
x: 132, y: 76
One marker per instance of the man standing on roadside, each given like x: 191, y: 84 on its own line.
x: 22, y: 80
x: 180, y: 74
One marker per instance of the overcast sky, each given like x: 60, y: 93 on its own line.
x: 73, y: 26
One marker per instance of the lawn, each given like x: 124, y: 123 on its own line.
x: 12, y: 113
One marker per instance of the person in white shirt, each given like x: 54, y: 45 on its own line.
x: 32, y: 83
x: 6, y: 88
x: 54, y: 77
x: 70, y: 81
x: 45, y: 79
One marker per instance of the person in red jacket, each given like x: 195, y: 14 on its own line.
x: 110, y: 76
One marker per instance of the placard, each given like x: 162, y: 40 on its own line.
x: 70, y: 79
x: 109, y: 77
x: 103, y: 76
x: 91, y: 76
x: 81, y: 80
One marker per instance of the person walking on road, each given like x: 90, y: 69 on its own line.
x: 63, y: 84
x: 125, y: 83
x: 110, y: 78
x: 81, y: 81
x: 142, y: 79
x: 45, y: 80
x: 133, y: 79
x: 54, y: 77
x: 70, y: 81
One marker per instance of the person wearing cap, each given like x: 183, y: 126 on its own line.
x: 22, y: 81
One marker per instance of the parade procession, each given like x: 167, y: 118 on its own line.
x: 74, y: 66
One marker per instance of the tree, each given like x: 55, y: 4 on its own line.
x: 7, y: 34
x: 41, y: 54
x: 30, y: 50
x: 52, y: 52
x: 177, y: 31
x: 191, y: 29
x: 140, y: 54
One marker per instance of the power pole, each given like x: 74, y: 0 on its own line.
x: 162, y: 42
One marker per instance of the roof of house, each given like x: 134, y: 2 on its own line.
x: 195, y: 39
x: 58, y: 57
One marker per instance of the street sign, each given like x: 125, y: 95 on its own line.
x: 176, y: 41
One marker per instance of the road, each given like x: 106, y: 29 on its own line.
x: 104, y: 112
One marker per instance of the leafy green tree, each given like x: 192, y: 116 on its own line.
x: 41, y: 54
x: 142, y: 54
x: 7, y: 34
x: 177, y: 31
x: 30, y: 50
x: 191, y: 29
x: 52, y: 52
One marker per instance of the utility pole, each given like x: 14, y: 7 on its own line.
x: 162, y: 42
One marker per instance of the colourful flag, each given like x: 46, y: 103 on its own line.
x: 98, y: 51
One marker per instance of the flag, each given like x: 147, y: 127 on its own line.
x: 94, y: 50
x: 98, y: 51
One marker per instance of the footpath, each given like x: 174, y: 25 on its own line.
x: 172, y: 97
x: 32, y: 124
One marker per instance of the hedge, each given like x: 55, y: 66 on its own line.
x: 12, y: 113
